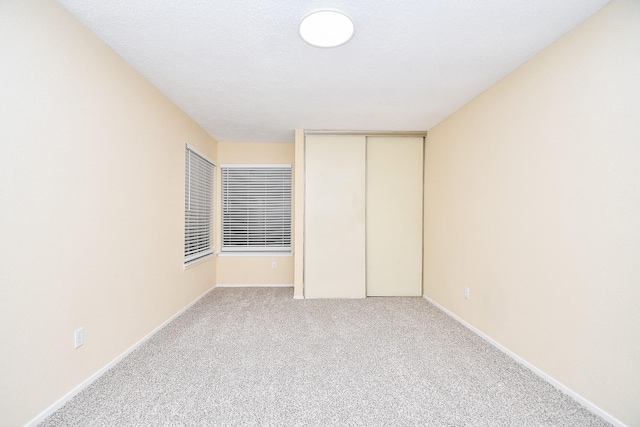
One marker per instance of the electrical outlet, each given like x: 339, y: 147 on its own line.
x: 78, y: 337
x: 466, y: 293
x: 274, y: 265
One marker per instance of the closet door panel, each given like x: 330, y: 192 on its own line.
x: 394, y: 216
x: 335, y: 233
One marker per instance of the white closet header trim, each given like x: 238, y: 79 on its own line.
x: 420, y: 133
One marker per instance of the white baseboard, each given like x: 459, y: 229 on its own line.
x: 67, y: 397
x: 254, y: 285
x: 298, y: 297
x: 563, y: 388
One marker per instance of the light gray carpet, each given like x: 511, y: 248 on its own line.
x: 255, y: 356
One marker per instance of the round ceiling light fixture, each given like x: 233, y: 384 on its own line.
x: 326, y: 28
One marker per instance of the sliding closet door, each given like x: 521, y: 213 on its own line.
x: 394, y: 216
x: 334, y: 253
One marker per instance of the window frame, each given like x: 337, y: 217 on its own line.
x: 278, y: 214
x: 193, y: 216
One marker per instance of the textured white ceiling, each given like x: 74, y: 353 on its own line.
x: 239, y: 68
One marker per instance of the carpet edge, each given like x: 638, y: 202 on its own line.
x: 86, y: 383
x: 546, y: 377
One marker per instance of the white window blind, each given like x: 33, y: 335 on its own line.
x: 256, y: 207
x: 198, y: 205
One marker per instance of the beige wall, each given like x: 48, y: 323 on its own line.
x: 242, y: 270
x: 256, y: 152
x: 532, y: 200
x: 253, y: 270
x: 92, y: 206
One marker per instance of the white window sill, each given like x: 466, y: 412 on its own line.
x: 265, y: 253
x: 198, y: 261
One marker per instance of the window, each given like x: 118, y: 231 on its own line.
x: 256, y: 208
x: 198, y: 205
